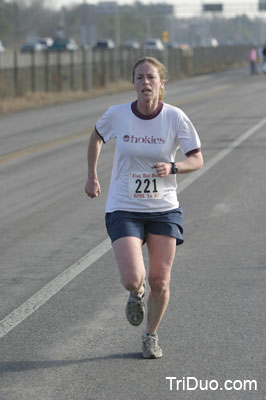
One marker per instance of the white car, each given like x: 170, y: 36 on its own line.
x: 2, y: 48
x: 153, y: 44
x: 130, y: 44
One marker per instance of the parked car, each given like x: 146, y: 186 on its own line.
x: 209, y: 42
x: 172, y: 45
x: 153, y: 44
x: 130, y: 44
x: 105, y: 44
x: 2, y: 47
x: 61, y: 44
x: 31, y: 46
x: 46, y: 42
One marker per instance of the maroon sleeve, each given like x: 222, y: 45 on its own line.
x: 99, y: 134
x: 189, y: 153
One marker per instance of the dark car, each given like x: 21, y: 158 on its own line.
x: 63, y: 45
x: 29, y: 47
x: 46, y: 42
x: 104, y: 44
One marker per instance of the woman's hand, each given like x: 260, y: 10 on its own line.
x: 162, y: 168
x: 93, y: 188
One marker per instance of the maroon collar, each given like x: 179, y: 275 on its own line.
x: 143, y: 116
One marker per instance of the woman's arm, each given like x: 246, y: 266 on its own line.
x: 92, y: 187
x: 190, y: 164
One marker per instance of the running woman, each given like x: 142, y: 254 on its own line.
x: 142, y: 204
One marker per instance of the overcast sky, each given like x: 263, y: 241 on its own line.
x: 185, y: 7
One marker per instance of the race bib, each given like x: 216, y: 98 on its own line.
x: 145, y: 186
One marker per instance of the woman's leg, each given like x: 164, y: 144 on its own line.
x: 161, y: 256
x: 128, y: 253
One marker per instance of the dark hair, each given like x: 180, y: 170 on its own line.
x: 162, y: 70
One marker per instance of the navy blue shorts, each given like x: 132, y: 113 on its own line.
x: 124, y: 223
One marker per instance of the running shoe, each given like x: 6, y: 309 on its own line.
x: 135, y: 308
x: 150, y: 346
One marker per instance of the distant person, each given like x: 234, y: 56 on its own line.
x: 253, y: 57
x: 264, y: 53
x: 264, y: 59
x: 142, y: 204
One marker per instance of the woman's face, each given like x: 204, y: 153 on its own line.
x: 147, y: 82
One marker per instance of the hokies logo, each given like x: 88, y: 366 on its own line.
x: 143, y: 139
x: 126, y: 138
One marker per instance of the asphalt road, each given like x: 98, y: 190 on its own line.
x: 63, y: 333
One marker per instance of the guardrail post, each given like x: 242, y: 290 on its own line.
x: 59, y: 71
x: 46, y: 72
x: 32, y: 78
x: 15, y: 72
x: 72, y: 83
x: 103, y: 68
x: 86, y: 69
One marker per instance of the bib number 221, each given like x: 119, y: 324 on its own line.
x: 145, y: 186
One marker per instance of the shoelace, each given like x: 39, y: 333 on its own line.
x: 135, y: 297
x: 150, y: 340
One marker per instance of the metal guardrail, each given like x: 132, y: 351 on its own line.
x: 84, y: 70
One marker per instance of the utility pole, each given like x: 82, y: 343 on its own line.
x: 117, y: 26
x: 111, y: 8
x: 60, y: 30
x: 17, y: 22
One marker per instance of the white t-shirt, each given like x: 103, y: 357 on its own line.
x: 141, y: 142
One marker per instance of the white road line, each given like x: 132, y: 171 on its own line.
x: 51, y: 288
x: 220, y: 156
x: 55, y: 285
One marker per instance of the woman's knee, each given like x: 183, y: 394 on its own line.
x: 159, y: 284
x: 132, y: 282
x: 128, y: 252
